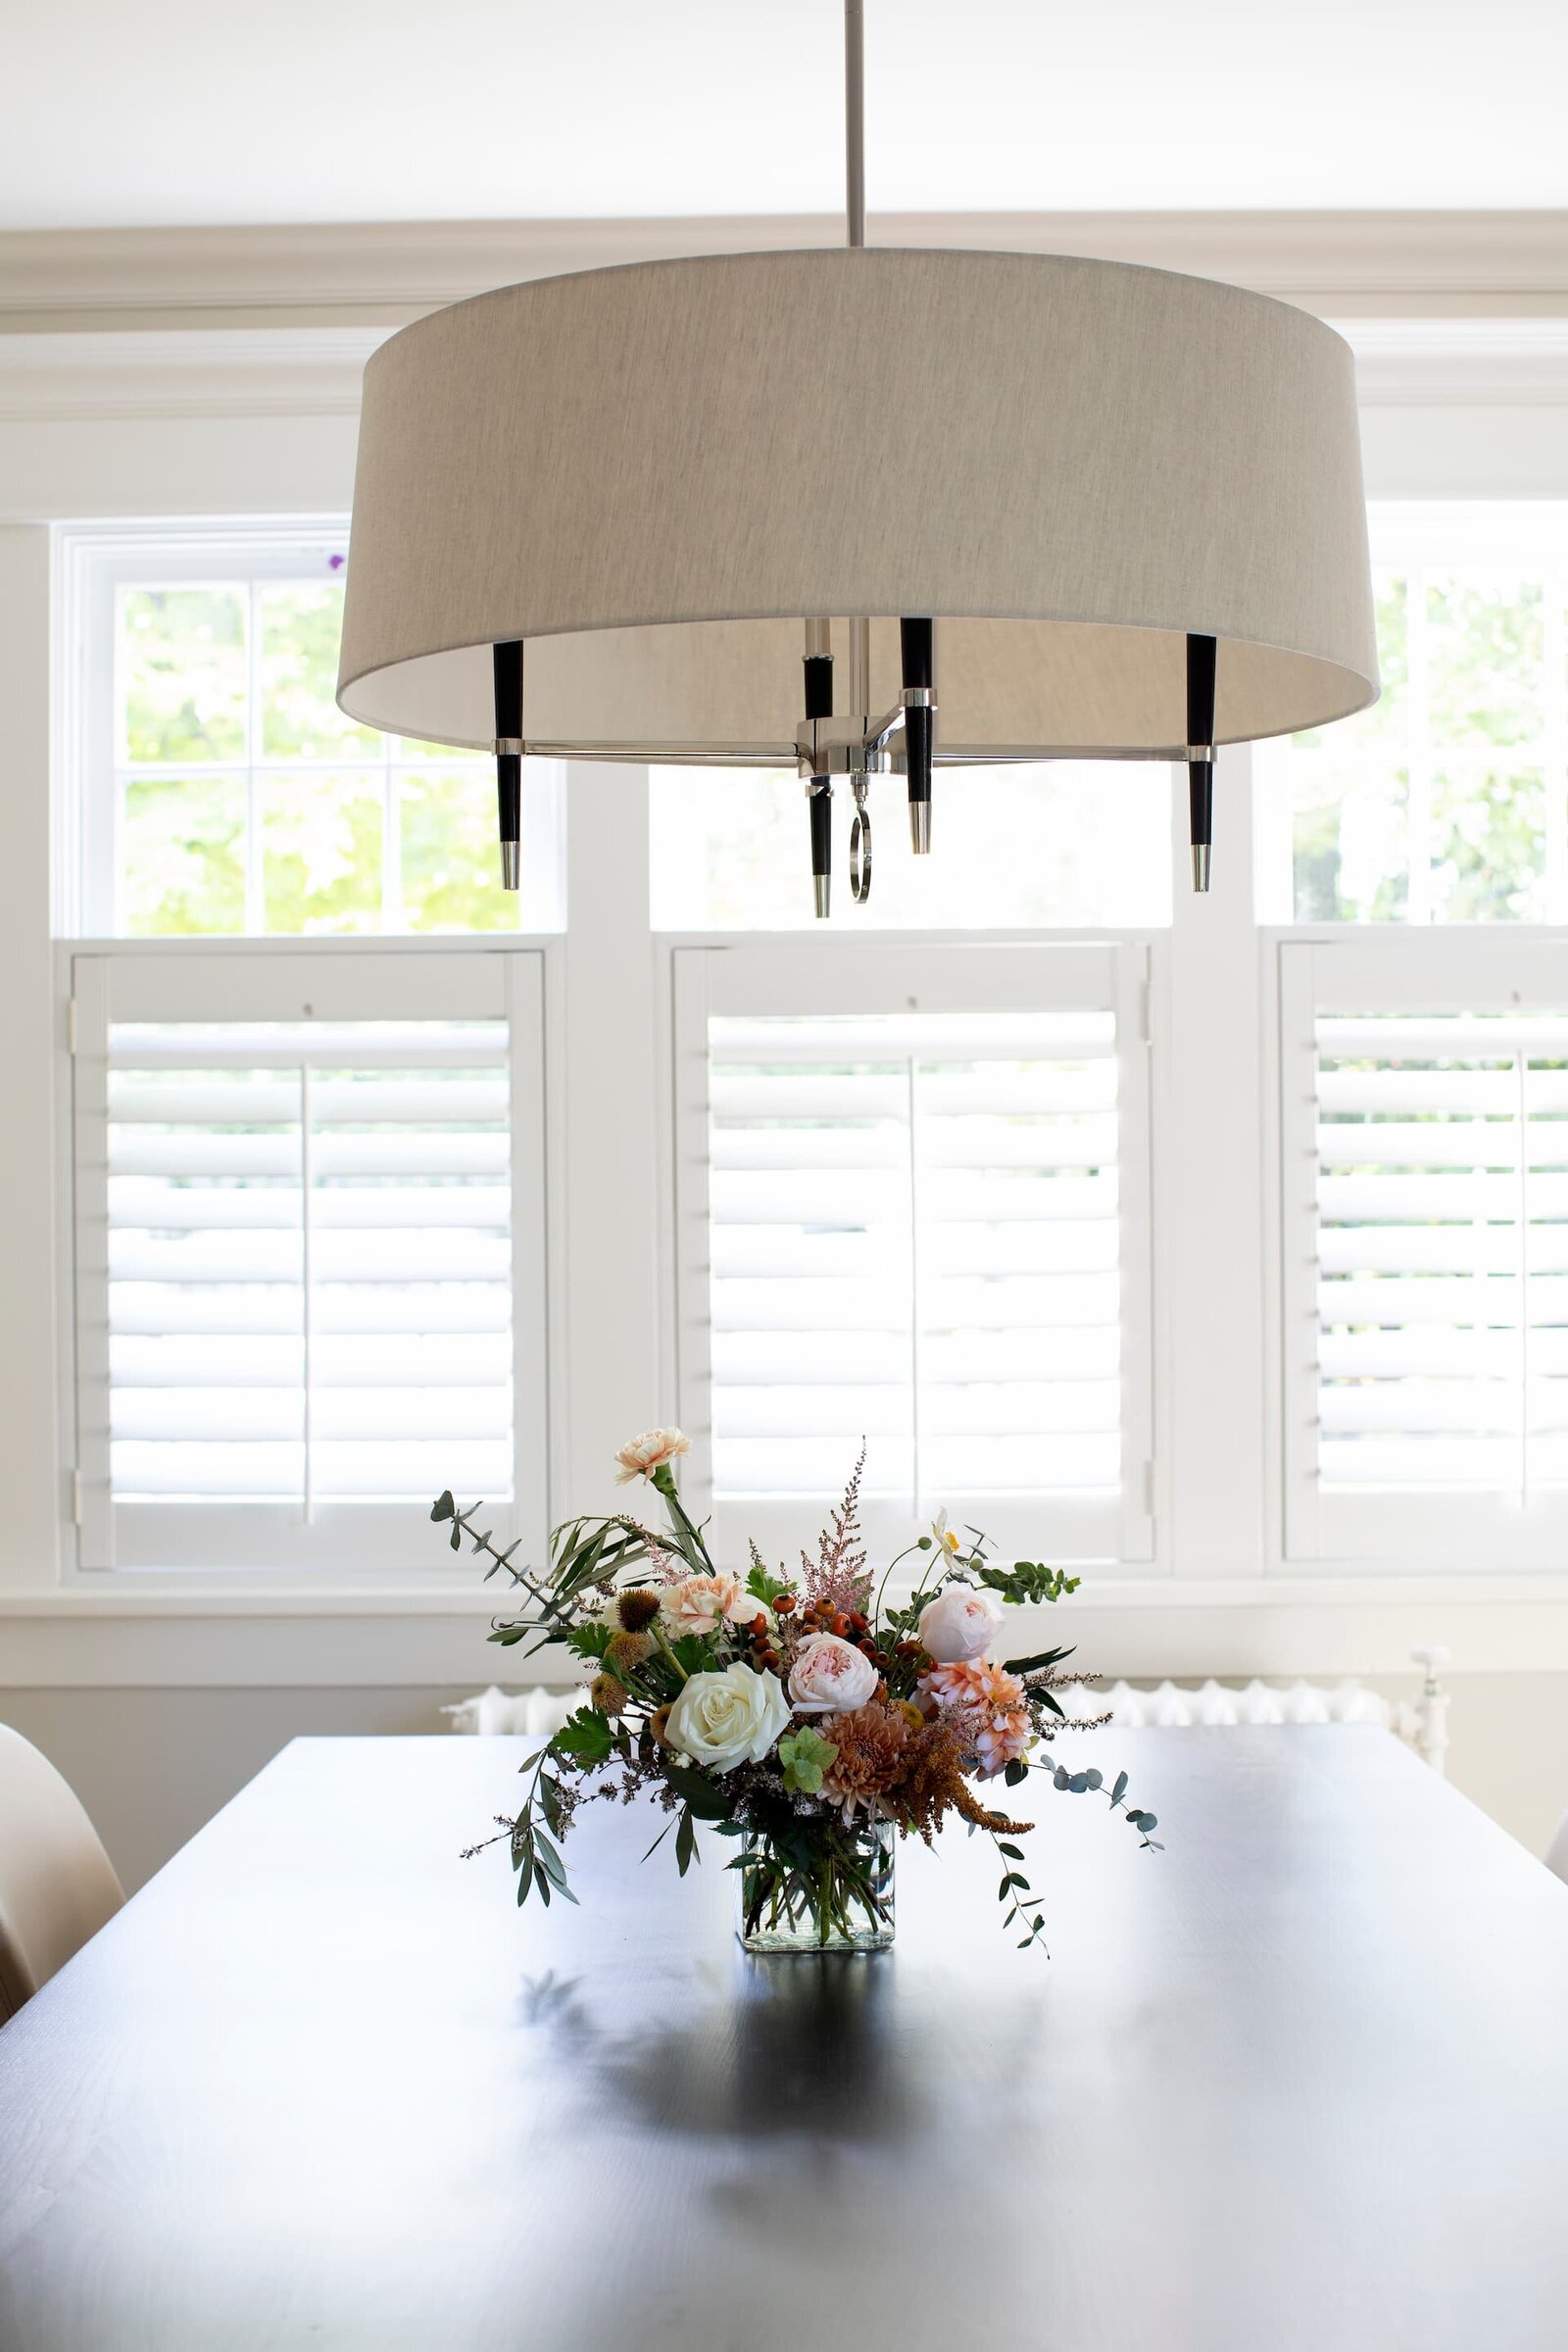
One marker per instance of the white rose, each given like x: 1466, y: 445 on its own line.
x: 959, y: 1624
x: 830, y: 1675
x: 727, y: 1718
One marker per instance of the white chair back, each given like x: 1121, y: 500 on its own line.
x: 1557, y: 1851
x: 57, y: 1884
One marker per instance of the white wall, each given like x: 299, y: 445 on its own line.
x: 159, y: 1704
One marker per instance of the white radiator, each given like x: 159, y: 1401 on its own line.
x: 1421, y: 1722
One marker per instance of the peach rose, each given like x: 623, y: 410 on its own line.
x: 830, y: 1675
x: 959, y: 1624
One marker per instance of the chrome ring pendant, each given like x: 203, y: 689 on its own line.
x: 861, y: 857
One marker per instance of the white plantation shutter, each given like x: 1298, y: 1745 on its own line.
x: 308, y: 1252
x: 1426, y: 1142
x: 906, y: 1210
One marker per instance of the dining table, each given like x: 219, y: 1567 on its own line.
x: 1294, y: 2077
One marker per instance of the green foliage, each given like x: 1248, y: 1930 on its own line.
x: 182, y: 662
x: 589, y: 1638
x: 1080, y: 1784
x: 764, y: 1586
x: 1029, y: 1581
x: 182, y: 856
x: 700, y: 1795
x: 535, y: 1857
x: 1479, y: 856
x: 586, y: 1737
x: 805, y: 1757
x: 320, y: 853
x: 301, y: 621
x: 1038, y: 1661
x: 447, y: 824
x: 1017, y: 1896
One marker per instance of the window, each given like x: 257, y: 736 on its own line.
x: 1426, y: 1250
x: 219, y: 790
x: 914, y: 1204
x: 310, y: 1216
x: 1073, y: 845
x: 1447, y: 802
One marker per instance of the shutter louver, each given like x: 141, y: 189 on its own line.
x: 296, y: 1245
x: 914, y: 1233
x: 1442, y: 1250
x: 309, y: 1260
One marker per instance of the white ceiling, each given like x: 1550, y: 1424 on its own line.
x: 188, y: 112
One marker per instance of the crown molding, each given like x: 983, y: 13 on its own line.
x: 1341, y: 264
x: 1460, y: 363
x: 64, y: 377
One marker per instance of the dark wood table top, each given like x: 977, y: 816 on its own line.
x: 1300, y: 2081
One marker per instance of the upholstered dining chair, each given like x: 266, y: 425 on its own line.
x: 1557, y: 1851
x: 57, y: 1884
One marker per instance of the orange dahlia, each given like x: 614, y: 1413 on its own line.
x: 986, y: 1708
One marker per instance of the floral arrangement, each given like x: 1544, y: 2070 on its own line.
x: 802, y: 1716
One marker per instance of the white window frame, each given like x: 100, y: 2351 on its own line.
x: 896, y: 973
x: 92, y: 565
x: 345, y: 1545
x: 1388, y: 968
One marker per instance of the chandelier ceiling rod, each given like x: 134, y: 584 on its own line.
x: 864, y: 746
x: 855, y: 121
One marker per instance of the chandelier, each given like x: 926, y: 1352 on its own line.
x: 867, y: 512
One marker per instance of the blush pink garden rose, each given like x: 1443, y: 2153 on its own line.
x: 698, y: 1603
x: 829, y: 1677
x: 649, y: 1452
x: 959, y: 1624
x: 986, y: 1708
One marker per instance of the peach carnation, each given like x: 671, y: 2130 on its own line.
x: 986, y: 1708
x: 698, y: 1603
x: 649, y: 1453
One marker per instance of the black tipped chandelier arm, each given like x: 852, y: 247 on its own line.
x: 1202, y: 655
x: 818, y: 664
x: 507, y: 662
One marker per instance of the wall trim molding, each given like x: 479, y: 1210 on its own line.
x: 1133, y: 1627
x: 65, y: 377
x: 69, y: 376
x: 1343, y: 264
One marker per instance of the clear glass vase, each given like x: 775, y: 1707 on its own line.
x: 843, y: 1903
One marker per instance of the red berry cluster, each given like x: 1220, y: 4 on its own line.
x: 850, y: 1626
x: 764, y: 1655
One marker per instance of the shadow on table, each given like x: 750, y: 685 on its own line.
x: 798, y: 2044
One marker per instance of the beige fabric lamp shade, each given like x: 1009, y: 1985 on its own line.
x: 654, y: 475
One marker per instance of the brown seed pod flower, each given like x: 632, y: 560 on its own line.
x: 637, y: 1608
x: 624, y: 1651
x: 607, y: 1695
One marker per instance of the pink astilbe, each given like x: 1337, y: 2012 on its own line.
x: 985, y: 1707
x: 837, y: 1578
